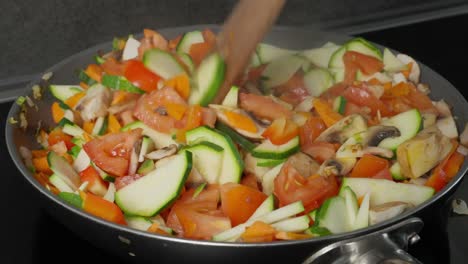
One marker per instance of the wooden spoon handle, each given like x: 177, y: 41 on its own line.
x: 240, y: 34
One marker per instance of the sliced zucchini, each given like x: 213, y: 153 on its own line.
x: 208, y: 160
x: 321, y: 56
x: 82, y: 161
x: 187, y: 60
x: 110, y: 194
x: 85, y: 78
x: 63, y: 92
x: 147, y: 146
x: 336, y: 59
x: 268, y: 179
x: 269, y: 162
x: 339, y: 104
x: 266, y: 207
x: 146, y: 167
x: 313, y: 214
x: 120, y: 83
x: 232, y: 164
x: 409, y: 123
x: 352, y: 207
x: 73, y: 130
x: 296, y: 224
x: 188, y: 39
x: 332, y: 215
x: 231, y: 97
x: 150, y: 194
x: 100, y: 127
x: 162, y: 63
x: 71, y: 198
x: 384, y: 191
x: 160, y: 140
x: 395, y: 171
x: 254, y: 60
x: 318, y: 231
x: 138, y: 222
x: 59, y: 183
x: 267, y: 53
x: 104, y: 175
x: 280, y: 71
x: 391, y: 63
x: 317, y: 81
x: 208, y: 78
x: 268, y: 150
x: 198, y: 190
x: 236, y: 137
x: 362, y: 217
x: 365, y: 47
x: 63, y: 170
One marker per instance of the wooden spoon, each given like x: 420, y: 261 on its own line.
x: 242, y: 31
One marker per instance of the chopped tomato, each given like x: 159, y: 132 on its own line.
x: 362, y: 97
x: 111, y: 152
x: 320, y: 151
x: 173, y: 43
x: 140, y: 76
x: 291, y: 187
x: 312, y: 128
x: 369, y: 166
x: 151, y: 109
x: 96, y: 184
x: 446, y: 170
x: 199, y: 51
x: 254, y: 75
x: 99, y: 207
x: 57, y: 135
x: 326, y: 113
x: 281, y: 131
x: 198, y: 217
x: 263, y: 106
x: 250, y: 180
x: 355, y: 61
x: 239, y: 202
x: 293, y: 91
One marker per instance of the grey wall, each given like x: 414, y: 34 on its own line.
x: 37, y: 34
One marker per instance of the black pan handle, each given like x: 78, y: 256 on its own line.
x: 386, y: 246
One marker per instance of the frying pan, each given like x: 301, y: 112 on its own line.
x: 385, y: 242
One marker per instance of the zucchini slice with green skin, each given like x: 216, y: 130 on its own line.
x: 82, y: 161
x: 232, y: 164
x: 267, y: 53
x: 268, y: 179
x: 207, y: 159
x: 72, y: 199
x: 155, y: 191
x: 384, y: 191
x: 120, y: 83
x: 318, y: 231
x: 100, y: 127
x: 317, y: 81
x: 266, y: 207
x: 332, y: 215
x: 352, y: 206
x: 395, y: 171
x: 63, y: 170
x: 188, y: 39
x: 296, y: 224
x: 269, y: 162
x: 73, y: 130
x: 321, y: 56
x: 231, y: 97
x: 268, y: 150
x: 339, y: 104
x: 162, y: 63
x: 391, y: 63
x: 281, y: 70
x: 187, y: 60
x: 146, y: 167
x: 409, y: 123
x: 59, y: 183
x: 236, y: 137
x: 138, y: 222
x: 160, y: 140
x: 63, y: 92
x: 208, y: 78
x: 85, y: 78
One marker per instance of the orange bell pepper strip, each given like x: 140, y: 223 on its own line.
x: 281, y: 131
x: 176, y: 111
x: 326, y: 113
x: 259, y: 232
x: 368, y: 166
x: 239, y: 202
x: 39, y: 153
x: 96, y: 184
x: 113, y: 124
x: 57, y: 112
x: 73, y: 100
x: 281, y: 235
x: 408, y: 69
x: 88, y: 126
x: 104, y: 209
x: 181, y: 84
x: 94, y: 72
x: 240, y: 121
x: 42, y: 165
x: 173, y: 43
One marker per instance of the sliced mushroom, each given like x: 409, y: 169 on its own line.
x: 305, y: 165
x: 95, y: 103
x: 336, y: 166
x: 162, y: 153
x: 415, y: 70
x: 343, y: 129
x: 423, y: 152
x: 221, y: 115
x: 366, y: 143
x: 382, y: 212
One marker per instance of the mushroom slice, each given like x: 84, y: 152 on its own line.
x: 415, y: 70
x: 95, y: 103
x: 423, y: 152
x: 337, y: 166
x: 305, y: 165
x: 343, y: 129
x: 382, y: 212
x: 222, y: 113
x: 162, y: 153
x: 367, y: 141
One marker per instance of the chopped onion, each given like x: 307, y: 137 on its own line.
x: 110, y: 194
x: 459, y: 207
x: 27, y: 156
x: 59, y: 148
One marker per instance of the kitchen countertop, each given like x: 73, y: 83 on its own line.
x: 32, y: 236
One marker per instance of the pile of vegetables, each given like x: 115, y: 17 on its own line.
x: 306, y: 143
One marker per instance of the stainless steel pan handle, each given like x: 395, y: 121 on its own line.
x: 385, y: 246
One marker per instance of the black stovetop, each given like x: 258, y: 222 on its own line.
x: 30, y: 235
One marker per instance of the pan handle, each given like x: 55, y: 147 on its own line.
x: 385, y: 246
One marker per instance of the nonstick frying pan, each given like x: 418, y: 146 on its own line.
x: 381, y: 243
